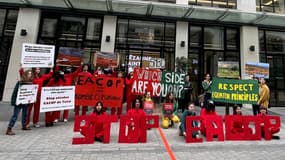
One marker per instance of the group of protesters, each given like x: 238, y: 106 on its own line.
x: 135, y: 105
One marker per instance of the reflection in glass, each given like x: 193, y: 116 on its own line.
x: 2, y: 19
x: 195, y: 36
x: 72, y: 28
x: 232, y: 38
x: 275, y: 42
x: 49, y: 27
x: 220, y: 3
x: 93, y: 29
x: 279, y: 6
x: 204, y: 3
x: 213, y: 38
x: 261, y: 40
x: 11, y: 21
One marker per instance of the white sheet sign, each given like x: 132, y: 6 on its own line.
x: 57, y: 98
x: 27, y: 94
x: 37, y: 55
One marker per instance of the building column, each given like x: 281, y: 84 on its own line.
x: 248, y: 37
x: 181, y: 45
x: 28, y: 19
x: 109, y: 30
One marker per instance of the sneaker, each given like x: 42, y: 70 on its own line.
x: 65, y: 120
x: 37, y: 125
x: 55, y: 121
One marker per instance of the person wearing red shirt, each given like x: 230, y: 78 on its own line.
x: 261, y: 116
x: 57, y: 80
x: 69, y: 81
x: 85, y: 73
x: 129, y: 95
x: 39, y: 79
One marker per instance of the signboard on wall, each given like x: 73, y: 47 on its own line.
x: 150, y: 60
x: 253, y: 69
x: 68, y: 56
x: 57, y: 98
x: 157, y: 63
x: 228, y: 69
x: 37, y: 55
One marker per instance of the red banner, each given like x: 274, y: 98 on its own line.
x: 146, y: 80
x: 90, y: 90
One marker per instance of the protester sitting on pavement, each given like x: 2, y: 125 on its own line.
x: 237, y: 126
x: 208, y: 110
x: 26, y: 79
x: 182, y: 127
x: 136, y: 111
x: 170, y: 114
x: 38, y: 79
x: 273, y: 130
x: 101, y: 118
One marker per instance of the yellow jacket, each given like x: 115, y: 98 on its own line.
x: 264, y: 95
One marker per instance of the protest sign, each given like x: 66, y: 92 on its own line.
x: 57, y: 98
x: 146, y: 80
x: 68, y: 56
x: 172, y: 82
x: 228, y: 69
x: 27, y: 94
x: 90, y: 90
x: 36, y: 55
x: 257, y: 70
x: 103, y: 59
x: 235, y: 91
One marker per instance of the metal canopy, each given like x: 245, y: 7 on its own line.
x: 154, y: 9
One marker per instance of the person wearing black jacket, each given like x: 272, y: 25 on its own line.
x: 188, y: 88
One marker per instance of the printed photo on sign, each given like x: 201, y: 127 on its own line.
x: 103, y: 59
x: 68, y: 56
x: 228, y: 69
x: 257, y: 70
x: 57, y: 98
x: 36, y: 55
x: 27, y: 94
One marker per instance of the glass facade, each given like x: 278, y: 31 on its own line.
x: 139, y: 40
x: 275, y: 6
x: 272, y: 51
x: 214, y: 3
x: 207, y: 46
x: 77, y: 32
x: 8, y: 20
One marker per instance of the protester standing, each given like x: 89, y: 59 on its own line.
x: 206, y: 84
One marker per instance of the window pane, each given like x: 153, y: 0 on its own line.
x: 49, y: 27
x: 195, y: 36
x: 258, y: 7
x: 170, y: 35
x: 261, y: 40
x: 232, y: 56
x: 232, y: 4
x: 191, y: 2
x: 275, y: 42
x: 122, y: 31
x: 204, y: 2
x: 2, y: 19
x: 220, y: 3
x: 232, y: 38
x: 213, y: 38
x: 11, y: 23
x: 279, y: 6
x: 72, y: 28
x: 93, y: 29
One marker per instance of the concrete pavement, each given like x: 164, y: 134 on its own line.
x: 55, y: 143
